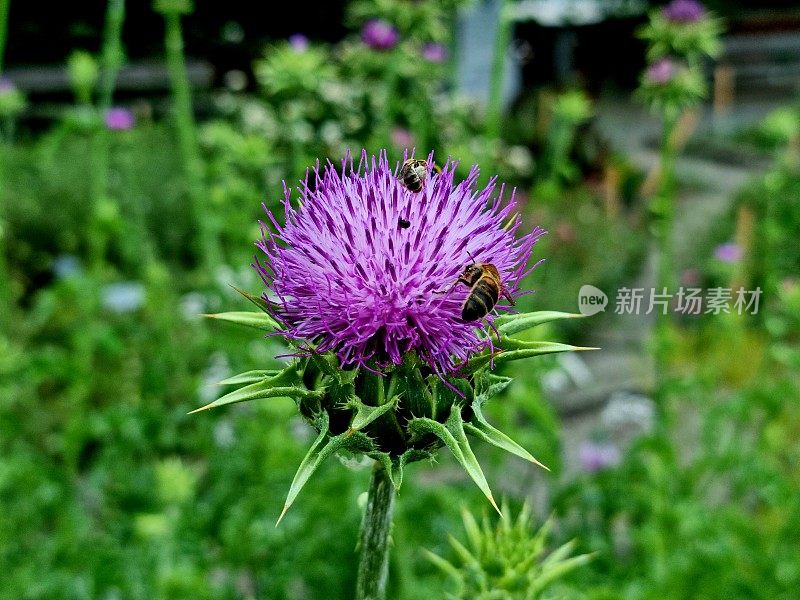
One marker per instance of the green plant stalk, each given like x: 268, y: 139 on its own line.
x: 373, y: 563
x: 6, y: 298
x: 502, y: 38
x: 187, y: 139
x: 5, y: 281
x: 112, y: 54
x: 111, y: 63
x: 4, y: 9
x: 664, y: 210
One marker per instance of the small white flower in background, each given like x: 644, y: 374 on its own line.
x: 123, y: 297
x: 192, y: 306
x: 629, y: 411
x: 224, y: 434
x: 66, y: 266
x: 218, y: 369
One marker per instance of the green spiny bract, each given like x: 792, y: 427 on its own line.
x: 508, y: 561
x: 402, y: 416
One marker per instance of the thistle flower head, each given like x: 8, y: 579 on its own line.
x: 434, y: 53
x: 379, y: 34
x: 662, y: 71
x: 119, y: 119
x: 684, y: 11
x: 298, y: 42
x: 369, y: 269
x: 729, y: 252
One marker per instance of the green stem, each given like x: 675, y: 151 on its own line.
x: 187, y: 137
x: 111, y: 62
x: 4, y: 8
x: 373, y: 565
x: 6, y: 298
x: 502, y: 38
x: 663, y: 208
x: 112, y: 52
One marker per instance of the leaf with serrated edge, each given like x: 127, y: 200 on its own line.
x: 249, y: 377
x: 257, y: 300
x: 533, y: 349
x: 319, y: 451
x: 256, y: 320
x: 484, y: 431
x: 274, y: 387
x: 511, y: 324
x: 452, y: 434
x: 395, y: 466
x: 444, y: 565
x: 366, y: 414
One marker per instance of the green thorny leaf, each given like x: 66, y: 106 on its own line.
x: 453, y: 436
x: 321, y: 449
x: 506, y: 560
x: 486, y: 387
x: 283, y: 384
x: 511, y: 324
x: 395, y: 465
x: 256, y: 320
x: 366, y: 414
x: 511, y: 349
x: 259, y: 320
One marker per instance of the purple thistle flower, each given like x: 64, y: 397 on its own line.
x: 597, y: 456
x: 435, y: 53
x: 729, y: 253
x: 349, y: 278
x: 379, y: 34
x: 6, y: 85
x: 683, y: 11
x: 661, y: 72
x: 298, y: 42
x: 401, y: 137
x: 119, y: 119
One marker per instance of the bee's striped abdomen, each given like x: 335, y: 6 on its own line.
x: 481, y: 300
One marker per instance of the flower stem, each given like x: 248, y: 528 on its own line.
x: 373, y: 564
x: 112, y: 54
x: 4, y: 6
x: 502, y: 38
x: 664, y: 208
x: 187, y: 137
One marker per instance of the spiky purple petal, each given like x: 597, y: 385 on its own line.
x: 349, y: 278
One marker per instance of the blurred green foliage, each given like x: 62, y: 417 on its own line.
x: 110, y: 490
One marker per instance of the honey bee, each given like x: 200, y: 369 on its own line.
x: 414, y: 172
x: 483, y: 279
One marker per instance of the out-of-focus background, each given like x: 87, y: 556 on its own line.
x: 138, y: 143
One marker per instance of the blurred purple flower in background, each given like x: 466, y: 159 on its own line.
x: 597, y: 456
x: 6, y: 85
x: 402, y: 137
x: 119, y: 119
x: 661, y: 72
x: 298, y: 42
x: 691, y: 277
x: 435, y: 53
x: 348, y: 278
x: 379, y: 34
x: 683, y: 11
x: 729, y: 252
